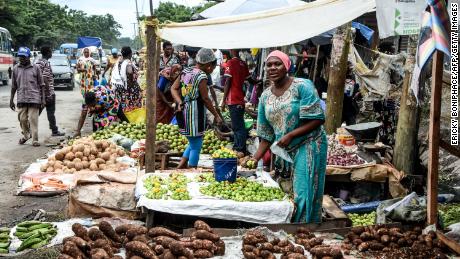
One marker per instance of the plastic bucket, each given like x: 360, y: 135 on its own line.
x: 225, y: 169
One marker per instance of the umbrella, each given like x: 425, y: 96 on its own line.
x: 236, y: 7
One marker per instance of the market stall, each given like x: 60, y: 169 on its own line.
x: 265, y: 203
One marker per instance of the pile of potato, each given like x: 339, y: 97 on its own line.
x: 85, y: 154
x: 256, y: 245
x: 141, y: 243
x: 315, y: 245
x: 393, y: 242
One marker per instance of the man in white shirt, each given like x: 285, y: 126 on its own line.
x: 215, y: 75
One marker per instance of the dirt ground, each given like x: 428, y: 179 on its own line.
x: 15, y: 158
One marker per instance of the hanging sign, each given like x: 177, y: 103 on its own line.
x: 399, y: 17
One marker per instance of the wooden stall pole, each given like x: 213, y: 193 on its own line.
x: 433, y: 135
x: 337, y: 76
x: 152, y: 76
x: 313, y: 77
x: 406, y: 132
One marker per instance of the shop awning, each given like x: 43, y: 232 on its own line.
x: 265, y: 29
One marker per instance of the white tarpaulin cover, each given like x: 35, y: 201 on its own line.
x: 236, y: 7
x: 277, y: 27
x: 269, y: 212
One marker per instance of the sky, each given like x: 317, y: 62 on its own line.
x: 124, y: 11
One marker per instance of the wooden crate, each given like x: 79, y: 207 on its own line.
x: 162, y: 158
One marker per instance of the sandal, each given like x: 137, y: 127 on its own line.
x: 36, y: 144
x: 23, y: 140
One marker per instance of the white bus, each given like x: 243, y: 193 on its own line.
x: 6, y: 55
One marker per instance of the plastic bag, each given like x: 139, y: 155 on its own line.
x: 410, y: 209
x: 137, y: 115
x: 281, y: 152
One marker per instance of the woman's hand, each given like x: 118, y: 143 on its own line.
x: 179, y: 107
x: 219, y: 120
x: 285, y: 140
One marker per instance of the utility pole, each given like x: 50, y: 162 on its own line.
x: 138, y: 26
x: 151, y: 7
x: 134, y: 27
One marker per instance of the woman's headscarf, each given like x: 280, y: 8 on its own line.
x: 281, y: 55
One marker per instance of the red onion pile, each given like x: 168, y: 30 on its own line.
x: 345, y: 160
x: 337, y: 154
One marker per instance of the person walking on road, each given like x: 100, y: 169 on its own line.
x: 28, y: 82
x: 50, y: 96
x: 86, y: 66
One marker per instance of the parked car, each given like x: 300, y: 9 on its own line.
x: 104, y: 60
x: 62, y: 72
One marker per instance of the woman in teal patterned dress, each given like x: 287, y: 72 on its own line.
x: 290, y: 114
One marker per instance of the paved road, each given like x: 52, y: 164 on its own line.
x: 15, y: 158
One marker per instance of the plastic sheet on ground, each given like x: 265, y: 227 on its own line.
x: 36, y: 183
x: 64, y: 229
x: 233, y: 244
x: 269, y: 212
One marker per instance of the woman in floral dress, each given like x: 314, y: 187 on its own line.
x: 103, y: 106
x: 86, y: 66
x: 290, y: 114
x: 124, y: 82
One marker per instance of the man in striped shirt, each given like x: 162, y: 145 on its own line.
x: 47, y: 73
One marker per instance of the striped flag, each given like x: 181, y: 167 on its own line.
x: 435, y: 32
x: 434, y: 35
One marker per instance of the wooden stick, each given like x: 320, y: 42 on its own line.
x: 316, y: 64
x: 433, y: 135
x: 448, y: 242
x: 152, y: 76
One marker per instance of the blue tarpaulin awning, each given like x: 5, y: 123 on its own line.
x: 84, y: 42
x: 364, y: 30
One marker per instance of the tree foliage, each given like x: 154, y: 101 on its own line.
x: 168, y: 11
x: 37, y: 22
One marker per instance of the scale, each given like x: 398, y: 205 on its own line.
x: 365, y: 135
